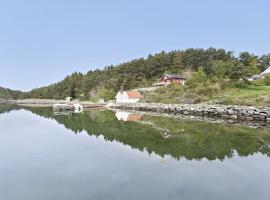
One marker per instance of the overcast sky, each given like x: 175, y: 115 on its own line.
x: 42, y: 41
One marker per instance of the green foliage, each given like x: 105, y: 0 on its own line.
x: 223, y: 69
x: 192, y: 93
x: 250, y: 95
x: 267, y: 80
x: 214, y: 64
x: 264, y: 62
x: 259, y: 82
x: 198, y: 78
x: 243, y: 83
x: 252, y: 67
x: 137, y: 73
x: 107, y: 94
x: 6, y: 93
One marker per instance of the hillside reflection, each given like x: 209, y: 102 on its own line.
x: 165, y: 135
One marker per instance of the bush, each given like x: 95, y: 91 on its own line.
x: 267, y: 80
x: 199, y: 78
x: 239, y: 84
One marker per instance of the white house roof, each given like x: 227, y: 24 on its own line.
x: 267, y: 71
x: 173, y: 76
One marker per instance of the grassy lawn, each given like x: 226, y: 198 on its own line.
x: 252, y: 95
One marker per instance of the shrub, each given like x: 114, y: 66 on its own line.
x: 238, y: 84
x: 198, y: 78
x: 267, y: 80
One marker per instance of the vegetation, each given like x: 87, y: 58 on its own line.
x: 217, y: 64
x: 220, y: 92
x: 220, y: 82
x: 6, y: 93
x: 267, y: 80
x: 214, y: 72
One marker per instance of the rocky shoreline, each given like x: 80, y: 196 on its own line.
x: 239, y: 113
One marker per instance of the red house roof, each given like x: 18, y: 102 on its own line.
x: 134, y: 94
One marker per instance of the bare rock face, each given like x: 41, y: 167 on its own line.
x: 242, y: 113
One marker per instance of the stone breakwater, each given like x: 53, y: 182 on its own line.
x: 241, y: 113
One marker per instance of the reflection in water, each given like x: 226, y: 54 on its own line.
x: 62, y: 113
x: 126, y: 116
x: 167, y: 136
x: 152, y: 158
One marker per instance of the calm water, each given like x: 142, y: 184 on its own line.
x: 107, y: 155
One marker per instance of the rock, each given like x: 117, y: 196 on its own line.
x: 242, y: 113
x: 249, y: 118
x: 225, y: 116
x: 232, y: 117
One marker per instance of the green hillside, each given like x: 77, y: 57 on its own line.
x: 217, y: 64
x: 6, y: 93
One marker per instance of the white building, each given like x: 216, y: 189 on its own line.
x: 128, y: 97
x: 265, y: 72
x: 261, y: 75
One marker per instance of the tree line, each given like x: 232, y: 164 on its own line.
x: 6, y: 93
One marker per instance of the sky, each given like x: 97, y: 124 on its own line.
x: 42, y: 41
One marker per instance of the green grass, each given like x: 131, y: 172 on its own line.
x: 259, y: 82
x: 252, y: 95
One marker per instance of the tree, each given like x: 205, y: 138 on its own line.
x: 145, y: 71
x: 245, y: 58
x: 264, y: 62
x: 198, y: 78
x: 253, y: 67
x: 219, y: 69
x: 107, y: 94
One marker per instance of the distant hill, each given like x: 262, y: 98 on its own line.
x: 144, y: 71
x: 6, y: 93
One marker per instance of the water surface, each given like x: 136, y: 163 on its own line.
x: 105, y: 155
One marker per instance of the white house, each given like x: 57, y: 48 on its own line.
x: 265, y: 72
x: 128, y: 97
x: 261, y: 75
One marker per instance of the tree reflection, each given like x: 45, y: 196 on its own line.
x: 167, y: 136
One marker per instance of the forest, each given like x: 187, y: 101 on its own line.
x: 215, y: 64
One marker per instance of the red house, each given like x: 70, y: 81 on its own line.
x: 172, y: 78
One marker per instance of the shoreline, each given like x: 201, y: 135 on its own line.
x: 229, y: 112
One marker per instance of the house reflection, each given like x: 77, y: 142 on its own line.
x: 126, y: 116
